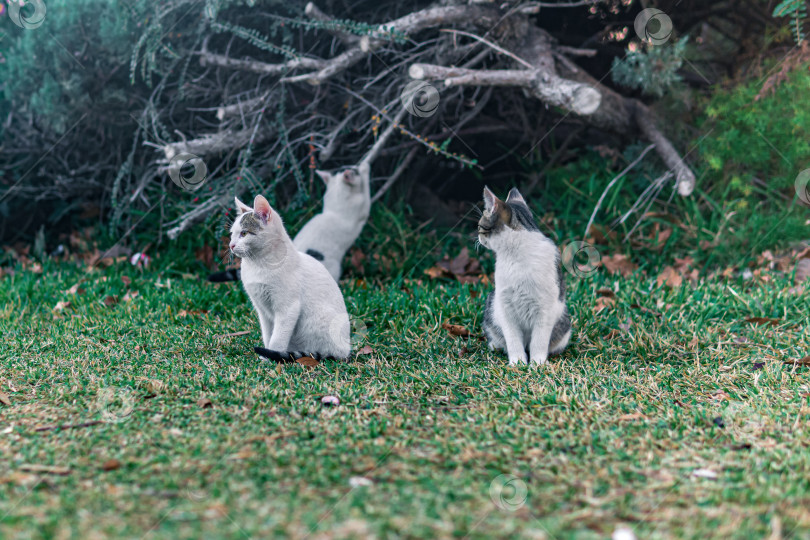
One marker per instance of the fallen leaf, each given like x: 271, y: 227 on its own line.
x: 111, y: 465
x: 357, y: 259
x: 800, y: 362
x: 704, y: 473
x: 330, y: 401
x: 131, y: 295
x: 606, y: 292
x: 632, y: 416
x: 61, y: 306
x: 365, y: 350
x: 434, y: 272
x: 204, y: 403
x: 763, y: 320
x: 359, y: 481
x: 669, y: 277
x: 4, y: 399
x: 456, y: 330
x: 126, y: 280
x: 46, y: 469
x: 646, y: 310
x: 75, y: 289
x: 802, y: 271
x: 110, y: 300
x: 603, y: 302
x: 620, y: 264
x: 307, y: 361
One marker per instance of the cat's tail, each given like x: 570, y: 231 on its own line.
x: 288, y: 357
x: 227, y: 275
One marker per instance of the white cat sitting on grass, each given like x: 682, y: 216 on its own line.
x: 527, y: 309
x: 300, y: 307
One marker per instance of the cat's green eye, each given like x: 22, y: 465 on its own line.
x: 243, y: 233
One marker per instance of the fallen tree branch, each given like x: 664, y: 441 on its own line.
x: 549, y: 88
x: 684, y: 177
x: 395, y: 176
x: 312, y: 11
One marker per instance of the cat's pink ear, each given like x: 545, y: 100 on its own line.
x: 325, y: 176
x: 242, y: 207
x: 261, y: 208
x: 350, y: 177
x: 489, y: 199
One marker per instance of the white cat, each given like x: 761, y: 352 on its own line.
x: 346, y: 205
x: 327, y: 236
x: 300, y: 307
x: 527, y: 309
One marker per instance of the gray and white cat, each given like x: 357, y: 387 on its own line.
x: 300, y: 307
x: 527, y: 309
x: 329, y: 235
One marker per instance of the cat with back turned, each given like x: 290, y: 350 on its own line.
x: 300, y: 307
x: 527, y: 311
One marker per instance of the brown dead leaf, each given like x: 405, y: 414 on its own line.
x: 307, y: 361
x: 61, y: 306
x: 462, y: 268
x: 111, y: 465
x: 800, y: 362
x: 632, y: 416
x: 126, y: 280
x: 365, y: 350
x: 603, y: 302
x: 669, y: 277
x: 619, y: 264
x: 456, y: 330
x: 131, y: 295
x: 357, y: 259
x: 110, y: 300
x: 434, y: 272
x: 606, y: 292
x: 76, y: 289
x: 45, y: 469
x: 4, y: 399
x: 646, y: 310
x: 802, y: 271
x: 763, y: 320
x: 204, y: 403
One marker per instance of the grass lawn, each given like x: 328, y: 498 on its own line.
x: 668, y: 413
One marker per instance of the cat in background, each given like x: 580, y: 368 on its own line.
x: 329, y: 235
x: 300, y: 307
x: 527, y: 309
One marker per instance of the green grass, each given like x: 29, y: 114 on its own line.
x: 609, y: 433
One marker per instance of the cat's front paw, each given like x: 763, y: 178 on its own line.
x: 517, y: 361
x: 539, y: 361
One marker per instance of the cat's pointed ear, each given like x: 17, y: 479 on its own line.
x: 325, y: 176
x: 515, y: 196
x: 242, y: 207
x: 262, y: 209
x: 489, y: 199
x: 350, y: 177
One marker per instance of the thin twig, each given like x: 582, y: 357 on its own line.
x: 610, y: 185
x: 498, y: 48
